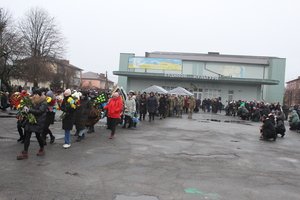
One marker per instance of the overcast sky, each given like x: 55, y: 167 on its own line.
x: 97, y: 31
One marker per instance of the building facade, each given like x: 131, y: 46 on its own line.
x: 292, y: 92
x: 67, y: 75
x: 92, y: 80
x: 212, y: 75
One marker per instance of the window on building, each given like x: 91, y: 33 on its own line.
x: 188, y: 69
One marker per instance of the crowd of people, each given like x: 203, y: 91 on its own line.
x: 36, y: 112
x: 271, y: 115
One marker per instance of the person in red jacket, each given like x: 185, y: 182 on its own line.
x: 114, y: 109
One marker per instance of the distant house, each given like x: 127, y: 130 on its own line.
x: 69, y: 74
x: 92, y: 80
x: 292, y: 92
x: 64, y: 74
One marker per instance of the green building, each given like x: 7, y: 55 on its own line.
x: 212, y: 75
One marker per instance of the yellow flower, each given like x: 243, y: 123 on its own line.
x: 49, y: 99
x: 73, y: 106
x: 69, y: 99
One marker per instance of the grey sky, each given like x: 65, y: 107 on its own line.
x: 97, y: 31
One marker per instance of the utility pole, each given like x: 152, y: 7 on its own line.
x: 106, y: 81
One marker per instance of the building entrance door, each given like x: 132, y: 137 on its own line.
x: 198, y: 95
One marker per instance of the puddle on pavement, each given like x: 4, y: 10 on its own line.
x: 142, y: 197
x: 228, y: 121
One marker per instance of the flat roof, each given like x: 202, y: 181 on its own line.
x: 211, y: 57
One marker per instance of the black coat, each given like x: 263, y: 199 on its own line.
x: 152, y: 104
x: 162, y: 105
x: 268, y: 129
x: 39, y: 111
x: 82, y: 114
x: 68, y: 119
x: 280, y: 128
x: 143, y: 105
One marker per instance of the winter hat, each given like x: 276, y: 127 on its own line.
x: 115, y: 94
x: 49, y: 94
x: 38, y: 92
x: 67, y: 92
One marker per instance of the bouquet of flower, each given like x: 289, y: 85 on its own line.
x: 51, y: 104
x: 23, y: 107
x: 101, y: 98
x: 70, y: 104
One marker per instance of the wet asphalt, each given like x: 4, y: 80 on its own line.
x: 211, y: 157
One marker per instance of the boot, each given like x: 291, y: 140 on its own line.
x: 23, y: 155
x: 90, y: 130
x: 52, y: 139
x: 93, y: 129
x: 20, y: 139
x: 41, y: 152
x: 111, y: 136
x: 79, y: 138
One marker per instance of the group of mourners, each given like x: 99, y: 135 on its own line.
x: 84, y: 109
x: 271, y: 115
x: 36, y: 112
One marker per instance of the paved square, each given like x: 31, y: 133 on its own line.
x: 212, y: 157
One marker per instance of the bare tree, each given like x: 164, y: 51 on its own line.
x: 43, y: 44
x: 10, y: 49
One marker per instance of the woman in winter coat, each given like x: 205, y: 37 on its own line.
x: 38, y: 110
x: 162, y: 106
x: 191, y: 107
x: 81, y: 116
x: 114, y: 109
x: 129, y: 111
x: 68, y: 107
x: 151, y: 106
x: 280, y: 128
x: 143, y: 106
x: 50, y: 116
x: 294, y: 120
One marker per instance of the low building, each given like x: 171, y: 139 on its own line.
x: 64, y: 74
x: 292, y: 92
x: 92, y: 80
x: 212, y: 75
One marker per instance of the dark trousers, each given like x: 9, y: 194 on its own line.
x: 112, y: 123
x: 20, y: 129
x: 151, y: 116
x: 27, y: 140
x: 46, y: 131
x: 142, y: 116
x: 128, y: 120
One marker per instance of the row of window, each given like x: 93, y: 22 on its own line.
x: 206, y: 93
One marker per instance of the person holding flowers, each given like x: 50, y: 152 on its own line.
x: 81, y: 116
x: 68, y: 107
x: 51, y: 102
x: 16, y: 99
x: 34, y: 110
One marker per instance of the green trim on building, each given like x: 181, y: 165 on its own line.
x: 193, y: 78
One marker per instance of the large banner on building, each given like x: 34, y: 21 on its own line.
x: 155, y: 63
